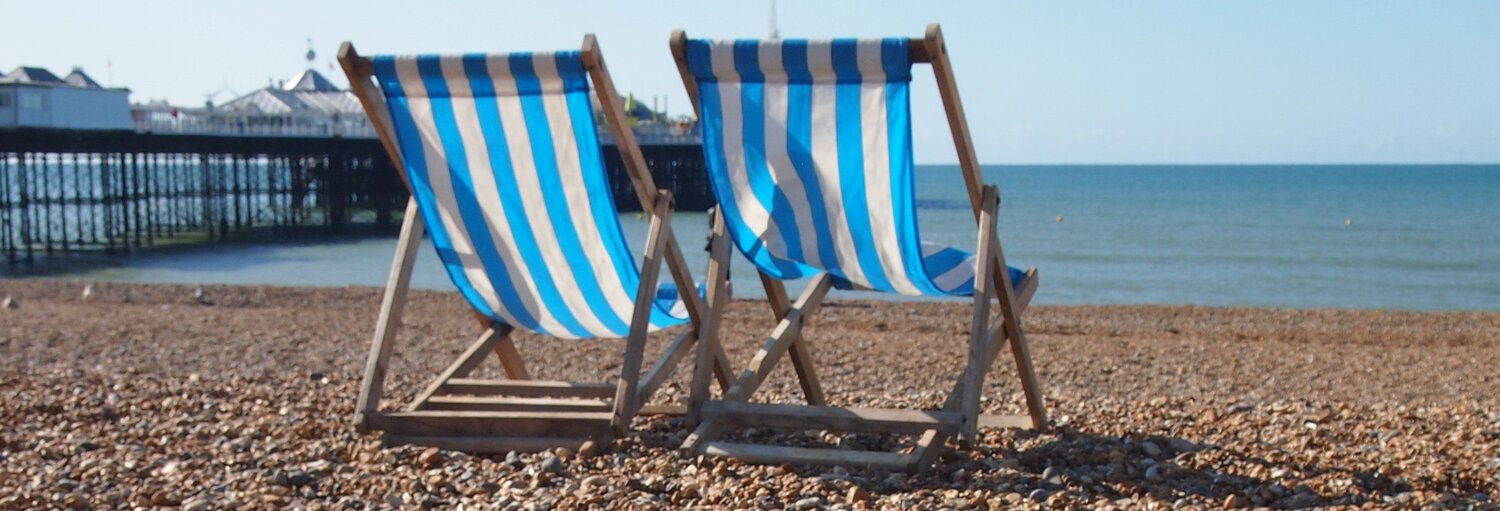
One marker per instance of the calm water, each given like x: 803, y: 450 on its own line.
x: 1418, y: 237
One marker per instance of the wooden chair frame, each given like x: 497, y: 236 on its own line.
x: 960, y: 414
x: 519, y: 413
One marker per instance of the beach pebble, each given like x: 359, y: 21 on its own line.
x: 856, y: 496
x: 552, y: 464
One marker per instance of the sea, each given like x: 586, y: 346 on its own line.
x: 1418, y: 237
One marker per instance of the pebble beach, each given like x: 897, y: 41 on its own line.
x: 235, y: 397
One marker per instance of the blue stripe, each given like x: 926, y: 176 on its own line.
x: 852, y: 163
x: 799, y: 146
x: 903, y: 190
x: 943, y: 260
x: 762, y: 182
x: 414, y: 159
x: 430, y: 69
x: 699, y: 62
x: 544, y: 154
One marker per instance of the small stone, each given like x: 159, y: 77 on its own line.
x: 564, y: 453
x: 1239, y: 408
x: 300, y: 478
x: 552, y: 464
x: 1151, y: 449
x: 1038, y: 495
x: 430, y: 458
x: 1052, y: 476
x: 589, y: 449
x: 857, y: 496
x: 1153, y: 473
x: 808, y: 503
x: 200, y: 504
x: 1233, y: 501
x: 514, y: 459
x: 1013, y: 498
x: 595, y: 481
x: 1181, y: 445
x: 164, y: 498
x: 9, y: 303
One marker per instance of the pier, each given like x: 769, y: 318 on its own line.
x: 65, y: 191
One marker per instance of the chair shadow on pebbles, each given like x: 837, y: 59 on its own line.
x: 1078, y: 468
x: 1089, y: 469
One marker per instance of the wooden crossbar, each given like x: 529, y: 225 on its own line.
x: 487, y: 444
x: 528, y: 388
x: 490, y: 423
x: 517, y: 404
x: 883, y: 420
x: 807, y: 456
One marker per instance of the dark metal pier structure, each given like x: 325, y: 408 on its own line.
x: 114, y: 191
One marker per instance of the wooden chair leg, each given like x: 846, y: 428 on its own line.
x: 801, y: 355
x: 510, y: 359
x: 626, y: 398
x: 464, y: 364
x: 372, y: 389
x: 972, y: 382
x: 708, y: 353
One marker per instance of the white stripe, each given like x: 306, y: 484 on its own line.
x: 752, y: 212
x: 442, y: 188
x: 778, y: 160
x: 577, y: 195
x: 481, y: 172
x: 771, y: 67
x: 820, y: 60
x: 952, y: 278
x: 825, y: 154
x: 518, y: 139
x: 877, y: 150
x: 826, y: 159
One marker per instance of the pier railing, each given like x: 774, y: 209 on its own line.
x: 114, y: 191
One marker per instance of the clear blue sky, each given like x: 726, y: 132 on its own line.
x: 1086, y: 82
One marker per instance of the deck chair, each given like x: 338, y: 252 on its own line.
x: 808, y: 147
x: 503, y: 162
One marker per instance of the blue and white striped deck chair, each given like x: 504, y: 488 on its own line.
x: 808, y: 145
x: 504, y: 164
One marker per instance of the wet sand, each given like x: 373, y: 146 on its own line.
x: 144, y: 395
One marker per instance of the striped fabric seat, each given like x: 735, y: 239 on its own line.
x: 809, y: 149
x: 505, y: 165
